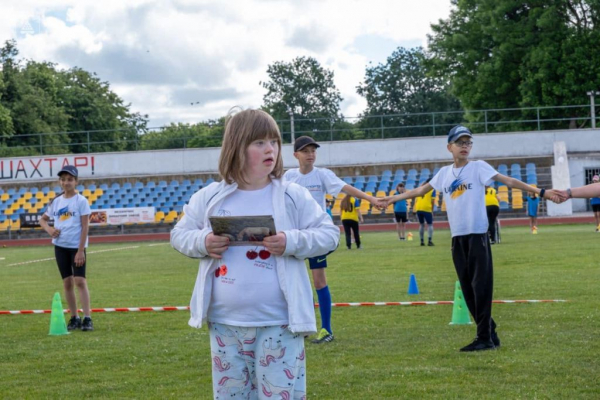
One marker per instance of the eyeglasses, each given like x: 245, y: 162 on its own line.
x: 463, y: 144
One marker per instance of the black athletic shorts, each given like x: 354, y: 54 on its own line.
x: 425, y: 216
x: 317, y: 262
x: 400, y: 216
x: 596, y: 207
x: 65, y: 258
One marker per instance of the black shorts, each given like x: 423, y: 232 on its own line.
x: 596, y: 207
x: 400, y: 216
x: 425, y: 216
x: 317, y: 262
x: 65, y: 258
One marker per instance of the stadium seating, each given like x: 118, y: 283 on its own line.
x: 169, y: 197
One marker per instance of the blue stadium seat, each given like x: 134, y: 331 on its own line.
x: 151, y: 185
x: 91, y: 187
x: 22, y: 190
x: 11, y: 191
x: 33, y: 190
x: 209, y: 181
x: 503, y: 169
x: 104, y: 186
x: 45, y: 189
x: 347, y: 179
x: 127, y: 186
x: 138, y: 185
x: 199, y: 182
x: 115, y: 186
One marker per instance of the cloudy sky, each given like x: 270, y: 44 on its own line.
x: 161, y: 55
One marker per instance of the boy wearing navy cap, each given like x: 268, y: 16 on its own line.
x: 319, y: 182
x: 463, y: 186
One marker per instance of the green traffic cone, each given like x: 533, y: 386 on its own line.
x: 58, y: 325
x: 460, y: 312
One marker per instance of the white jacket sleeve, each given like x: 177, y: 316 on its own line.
x: 189, y: 234
x: 314, y: 234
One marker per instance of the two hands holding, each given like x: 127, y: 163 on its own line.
x: 216, y: 245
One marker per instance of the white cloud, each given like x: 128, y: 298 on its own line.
x: 160, y: 56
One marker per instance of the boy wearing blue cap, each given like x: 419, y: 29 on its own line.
x: 463, y: 186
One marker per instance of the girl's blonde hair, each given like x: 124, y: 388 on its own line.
x: 241, y: 129
x: 346, y: 204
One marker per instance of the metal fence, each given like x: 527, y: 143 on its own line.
x: 322, y: 129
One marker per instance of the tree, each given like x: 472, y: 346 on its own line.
x: 97, y: 114
x: 39, y: 103
x: 177, y: 136
x: 306, y: 89
x: 403, y: 86
x: 503, y: 54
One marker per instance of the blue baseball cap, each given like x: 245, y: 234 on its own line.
x: 69, y: 169
x: 457, y: 132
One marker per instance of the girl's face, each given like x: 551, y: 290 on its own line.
x: 261, y: 156
x: 67, y: 182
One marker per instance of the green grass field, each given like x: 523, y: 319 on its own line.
x: 549, y: 351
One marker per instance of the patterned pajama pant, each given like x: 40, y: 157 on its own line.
x: 257, y: 363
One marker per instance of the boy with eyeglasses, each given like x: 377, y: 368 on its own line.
x: 463, y: 186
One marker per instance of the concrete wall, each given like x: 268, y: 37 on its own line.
x: 23, y: 170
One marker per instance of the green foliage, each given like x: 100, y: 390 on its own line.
x: 177, y: 136
x: 504, y: 54
x: 37, y: 98
x: 401, y: 86
x: 548, y: 351
x: 306, y: 89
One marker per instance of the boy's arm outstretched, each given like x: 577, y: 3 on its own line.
x: 352, y: 191
x: 582, y: 192
x: 409, y: 194
x: 549, y: 194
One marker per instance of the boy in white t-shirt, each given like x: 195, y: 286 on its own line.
x: 319, y: 182
x: 463, y: 186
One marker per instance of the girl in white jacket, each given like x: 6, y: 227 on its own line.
x: 258, y: 305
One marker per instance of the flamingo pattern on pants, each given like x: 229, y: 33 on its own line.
x: 273, y: 354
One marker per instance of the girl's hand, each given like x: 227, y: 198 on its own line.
x: 55, y: 233
x: 276, y: 243
x: 216, y: 245
x: 79, y: 258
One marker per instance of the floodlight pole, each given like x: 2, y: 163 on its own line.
x: 291, y: 114
x: 593, y: 95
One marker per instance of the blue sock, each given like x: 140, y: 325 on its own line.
x: 325, y: 307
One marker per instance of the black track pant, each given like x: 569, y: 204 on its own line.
x: 351, y: 224
x: 472, y: 256
x: 492, y: 214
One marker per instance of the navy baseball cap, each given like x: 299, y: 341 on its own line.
x: 457, y: 132
x: 69, y: 169
x: 304, y: 141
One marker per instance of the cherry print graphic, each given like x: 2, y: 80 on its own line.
x: 221, y: 271
x: 264, y: 254
x: 251, y: 254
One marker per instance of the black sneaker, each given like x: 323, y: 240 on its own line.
x: 495, y: 339
x: 87, y: 324
x: 422, y: 243
x: 74, y: 323
x: 479, y: 345
x: 430, y: 243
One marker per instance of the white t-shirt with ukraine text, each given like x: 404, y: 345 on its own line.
x: 67, y: 214
x: 464, y: 192
x: 319, y: 182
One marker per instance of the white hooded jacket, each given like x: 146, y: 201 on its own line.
x: 309, y: 232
